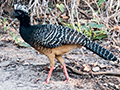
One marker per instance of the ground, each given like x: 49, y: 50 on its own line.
x: 25, y: 69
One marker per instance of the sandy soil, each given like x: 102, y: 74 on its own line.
x: 21, y: 67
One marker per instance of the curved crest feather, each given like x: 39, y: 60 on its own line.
x: 21, y: 7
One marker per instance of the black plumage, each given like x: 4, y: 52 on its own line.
x: 51, y: 39
x: 52, y: 36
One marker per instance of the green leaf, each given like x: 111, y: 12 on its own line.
x: 61, y: 7
x: 60, y: 19
x: 101, y: 36
x: 84, y: 28
x: 93, y: 25
x: 99, y: 2
x: 23, y: 44
x: 16, y: 39
x: 5, y: 19
x: 13, y: 35
x: 100, y: 26
x: 69, y: 25
x: 5, y: 28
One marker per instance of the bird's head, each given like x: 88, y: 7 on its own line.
x: 20, y: 11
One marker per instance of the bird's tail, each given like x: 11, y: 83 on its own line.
x: 99, y: 50
x: 77, y: 38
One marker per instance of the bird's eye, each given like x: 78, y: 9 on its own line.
x: 18, y: 13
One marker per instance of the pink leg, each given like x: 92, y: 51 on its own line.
x: 49, y: 75
x: 66, y: 73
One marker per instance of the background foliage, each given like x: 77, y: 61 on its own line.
x: 97, y: 19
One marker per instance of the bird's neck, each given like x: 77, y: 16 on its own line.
x: 25, y: 21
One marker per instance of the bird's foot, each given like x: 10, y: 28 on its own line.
x: 67, y: 80
x: 46, y: 82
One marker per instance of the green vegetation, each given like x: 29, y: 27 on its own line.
x: 5, y: 27
x: 88, y: 30
x: 14, y: 37
x: 99, y: 2
x: 104, y: 17
x: 61, y: 7
x: 19, y: 43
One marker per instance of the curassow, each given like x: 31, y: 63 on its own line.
x: 55, y: 40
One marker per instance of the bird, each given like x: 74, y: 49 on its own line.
x: 55, y: 40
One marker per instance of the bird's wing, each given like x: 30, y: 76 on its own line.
x: 49, y: 35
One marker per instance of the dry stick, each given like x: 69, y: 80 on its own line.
x: 70, y: 12
x: 36, y: 5
x: 111, y: 2
x: 82, y: 12
x: 114, y: 15
x: 11, y: 23
x: 76, y: 71
x: 94, y: 14
x: 101, y: 15
x: 94, y: 73
x: 2, y: 6
x: 118, y: 4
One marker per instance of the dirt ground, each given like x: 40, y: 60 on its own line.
x: 25, y: 69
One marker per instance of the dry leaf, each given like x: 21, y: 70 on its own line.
x: 116, y: 27
x: 86, y: 68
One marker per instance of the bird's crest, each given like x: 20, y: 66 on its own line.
x: 21, y: 7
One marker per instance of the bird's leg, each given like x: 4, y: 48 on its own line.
x: 61, y: 60
x: 52, y: 63
x: 49, y: 75
x: 65, y: 71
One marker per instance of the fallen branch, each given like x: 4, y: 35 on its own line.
x: 76, y: 71
x: 82, y: 12
x: 93, y: 73
x: 107, y: 73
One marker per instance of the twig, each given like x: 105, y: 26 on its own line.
x: 111, y: 2
x: 114, y: 15
x: 94, y: 73
x: 76, y: 71
x: 43, y: 8
x: 82, y: 12
x: 107, y: 73
x: 2, y: 6
x: 94, y: 14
